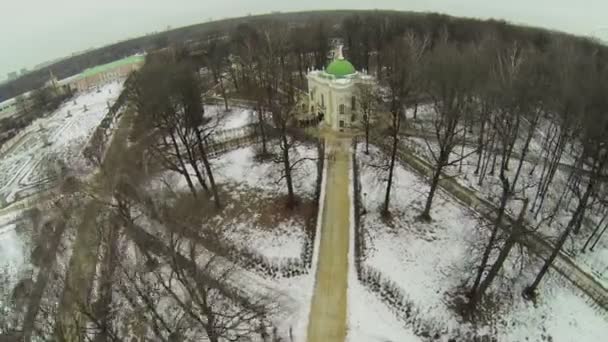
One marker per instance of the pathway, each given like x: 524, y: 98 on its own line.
x: 81, y: 269
x: 327, y: 320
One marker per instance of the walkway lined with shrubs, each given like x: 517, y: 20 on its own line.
x: 327, y: 320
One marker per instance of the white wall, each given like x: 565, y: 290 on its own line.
x: 335, y: 95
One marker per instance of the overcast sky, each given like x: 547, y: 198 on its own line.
x: 35, y: 31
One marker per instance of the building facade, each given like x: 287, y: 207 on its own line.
x: 85, y: 81
x: 103, y: 74
x: 332, y: 94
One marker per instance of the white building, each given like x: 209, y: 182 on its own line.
x: 332, y: 94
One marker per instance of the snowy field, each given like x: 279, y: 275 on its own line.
x: 23, y: 166
x: 234, y: 118
x: 60, y: 136
x: 13, y: 253
x: 289, y: 297
x: 595, y: 263
x: 429, y: 261
x: 253, y: 218
x: 240, y: 169
x: 369, y: 320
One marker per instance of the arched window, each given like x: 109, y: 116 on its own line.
x: 353, y: 102
x: 342, y: 109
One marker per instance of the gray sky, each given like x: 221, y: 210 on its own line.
x: 35, y: 31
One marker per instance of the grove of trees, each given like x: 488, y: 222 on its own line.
x: 499, y: 84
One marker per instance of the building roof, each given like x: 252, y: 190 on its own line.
x: 340, y: 68
x: 116, y: 64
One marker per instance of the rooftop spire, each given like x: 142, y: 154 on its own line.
x: 340, y: 55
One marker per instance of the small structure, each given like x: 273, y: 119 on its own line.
x: 332, y: 93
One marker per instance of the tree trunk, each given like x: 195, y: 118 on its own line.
x: 480, y: 146
x: 395, y: 135
x: 223, y: 90
x: 493, y: 169
x: 426, y: 213
x: 300, y: 67
x: 464, y: 141
x: 546, y: 147
x: 262, y: 130
x: 599, y: 225
x: 183, y: 165
x: 389, y: 184
x: 488, y: 154
x: 378, y: 66
x: 598, y: 238
x: 291, y: 198
x: 511, y: 145
x: 367, y: 136
x: 234, y: 78
x: 553, y: 166
x: 516, y: 232
x: 524, y: 152
x: 486, y: 254
x: 193, y: 162
x: 207, y: 165
x: 530, y: 291
x: 578, y: 224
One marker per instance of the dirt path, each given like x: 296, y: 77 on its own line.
x: 327, y: 320
x: 81, y: 270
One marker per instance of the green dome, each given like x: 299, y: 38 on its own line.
x: 340, y: 68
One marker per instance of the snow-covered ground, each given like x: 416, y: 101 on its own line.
x: 254, y: 217
x: 24, y: 161
x: 234, y: 118
x: 240, y: 169
x: 595, y: 263
x: 431, y: 260
x: 254, y: 189
x: 369, y: 320
x: 13, y: 252
x: 23, y: 164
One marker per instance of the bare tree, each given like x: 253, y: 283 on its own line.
x: 595, y: 152
x: 167, y: 98
x: 449, y: 84
x: 216, y: 58
x: 282, y: 99
x: 368, y: 99
x: 404, y: 58
x: 517, y: 231
x: 248, y: 42
x: 22, y: 104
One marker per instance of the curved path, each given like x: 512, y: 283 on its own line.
x: 328, y: 313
